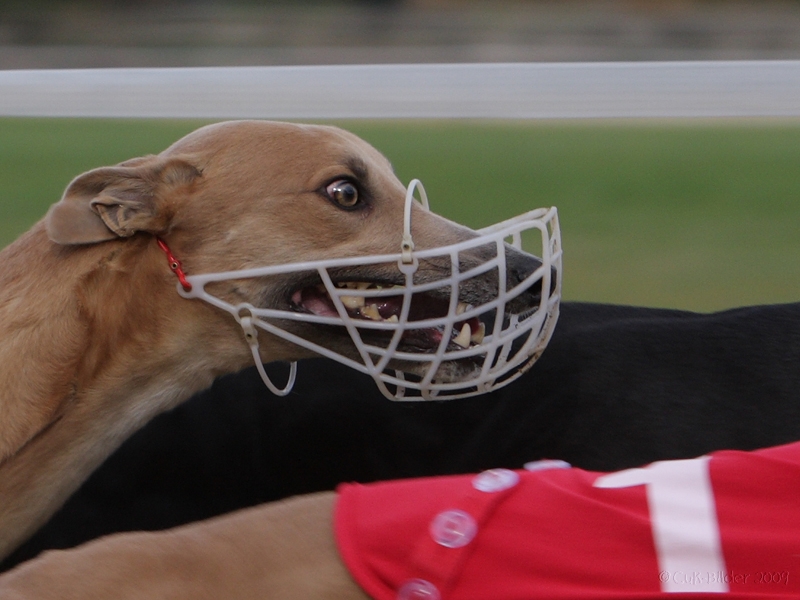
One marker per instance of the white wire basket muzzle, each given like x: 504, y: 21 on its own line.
x: 455, y: 351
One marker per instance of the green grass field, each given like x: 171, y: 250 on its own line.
x: 697, y: 215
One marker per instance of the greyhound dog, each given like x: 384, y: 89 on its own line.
x: 97, y: 339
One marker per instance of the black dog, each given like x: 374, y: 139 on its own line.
x: 617, y: 387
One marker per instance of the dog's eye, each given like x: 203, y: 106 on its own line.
x: 343, y: 192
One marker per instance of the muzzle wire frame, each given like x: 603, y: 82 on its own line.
x: 512, y: 344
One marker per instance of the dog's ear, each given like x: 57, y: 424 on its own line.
x: 113, y: 202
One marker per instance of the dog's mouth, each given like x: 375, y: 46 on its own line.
x: 386, y: 307
x: 444, y: 322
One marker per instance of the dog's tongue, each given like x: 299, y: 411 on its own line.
x: 317, y: 305
x: 387, y: 308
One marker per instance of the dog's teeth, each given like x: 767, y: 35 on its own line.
x: 462, y: 339
x: 362, y: 285
x: 371, y: 312
x: 392, y: 319
x: 352, y: 302
x: 461, y: 308
x: 478, y: 335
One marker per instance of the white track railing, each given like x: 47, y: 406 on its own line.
x: 497, y: 91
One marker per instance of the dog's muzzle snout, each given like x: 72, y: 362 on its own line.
x: 521, y: 271
x: 423, y: 335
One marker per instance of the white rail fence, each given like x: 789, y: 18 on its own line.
x: 496, y: 91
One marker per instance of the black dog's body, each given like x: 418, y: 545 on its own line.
x: 617, y: 387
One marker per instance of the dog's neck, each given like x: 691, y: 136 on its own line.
x: 94, y: 345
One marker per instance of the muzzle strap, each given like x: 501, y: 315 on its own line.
x: 245, y: 319
x: 407, y: 246
x: 251, y: 335
x: 175, y: 265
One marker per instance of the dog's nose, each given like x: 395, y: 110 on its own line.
x: 520, y: 266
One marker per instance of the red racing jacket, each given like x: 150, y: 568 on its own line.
x: 720, y: 526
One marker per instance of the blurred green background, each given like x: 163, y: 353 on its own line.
x: 184, y: 33
x: 701, y: 215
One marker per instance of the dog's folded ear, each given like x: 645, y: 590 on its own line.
x: 114, y: 202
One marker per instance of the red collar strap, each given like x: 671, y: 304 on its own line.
x: 174, y: 264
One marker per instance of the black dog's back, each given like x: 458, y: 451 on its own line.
x: 617, y: 387
x: 638, y: 385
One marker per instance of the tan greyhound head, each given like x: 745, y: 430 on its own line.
x: 96, y: 340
